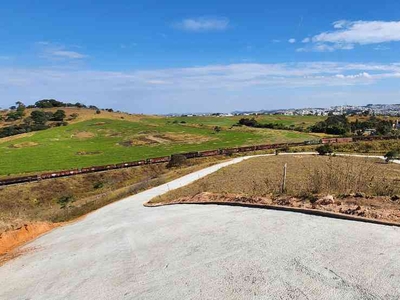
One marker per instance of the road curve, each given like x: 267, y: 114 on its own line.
x: 127, y: 251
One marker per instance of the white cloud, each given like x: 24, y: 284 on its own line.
x: 211, y: 76
x: 349, y: 33
x: 321, y: 47
x: 129, y: 45
x: 67, y: 54
x: 188, y: 88
x: 381, y: 48
x: 56, y: 51
x: 360, y: 75
x: 306, y: 40
x: 292, y: 41
x: 340, y: 24
x: 203, y: 24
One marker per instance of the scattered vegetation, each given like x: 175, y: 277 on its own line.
x: 37, y: 120
x: 41, y: 117
x: 375, y: 147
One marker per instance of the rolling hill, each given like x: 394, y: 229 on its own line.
x: 110, y: 137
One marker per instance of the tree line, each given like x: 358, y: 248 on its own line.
x: 254, y: 123
x: 334, y: 124
x: 340, y: 125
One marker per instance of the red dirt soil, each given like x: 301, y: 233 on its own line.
x: 11, y: 239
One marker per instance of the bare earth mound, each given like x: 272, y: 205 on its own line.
x: 350, y: 186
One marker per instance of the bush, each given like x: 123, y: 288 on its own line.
x: 98, y: 185
x: 65, y: 200
x: 73, y: 116
x: 391, y: 155
x: 324, y: 149
x: 177, y: 160
x: 285, y: 148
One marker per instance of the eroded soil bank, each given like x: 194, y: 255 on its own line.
x: 24, y: 233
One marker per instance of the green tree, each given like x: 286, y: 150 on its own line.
x: 39, y: 117
x: 59, y: 115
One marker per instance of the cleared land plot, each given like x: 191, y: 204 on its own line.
x: 362, y: 187
x: 107, y: 141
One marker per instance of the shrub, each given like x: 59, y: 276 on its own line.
x: 98, y: 185
x: 285, y: 148
x: 177, y: 160
x: 391, y: 155
x: 65, y: 200
x: 324, y: 149
x: 74, y: 116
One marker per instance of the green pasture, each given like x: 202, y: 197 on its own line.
x: 101, y: 141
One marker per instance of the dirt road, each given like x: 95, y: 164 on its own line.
x: 127, y: 251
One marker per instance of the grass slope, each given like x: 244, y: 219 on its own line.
x: 98, y: 141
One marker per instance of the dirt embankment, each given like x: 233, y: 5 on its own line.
x: 354, y: 207
x: 11, y: 239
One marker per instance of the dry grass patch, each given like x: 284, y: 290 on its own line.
x: 360, y: 186
x: 83, y: 135
x: 164, y: 138
x: 23, y: 145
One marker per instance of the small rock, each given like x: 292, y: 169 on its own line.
x: 395, y: 197
x: 359, y: 195
x: 326, y: 200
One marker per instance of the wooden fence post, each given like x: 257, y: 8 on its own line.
x: 284, y: 179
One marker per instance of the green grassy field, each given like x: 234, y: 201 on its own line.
x: 301, y: 121
x: 105, y: 141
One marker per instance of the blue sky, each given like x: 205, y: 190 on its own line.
x: 191, y: 56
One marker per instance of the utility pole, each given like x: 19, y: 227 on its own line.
x: 284, y: 179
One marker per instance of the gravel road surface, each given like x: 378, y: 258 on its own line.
x: 127, y: 251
